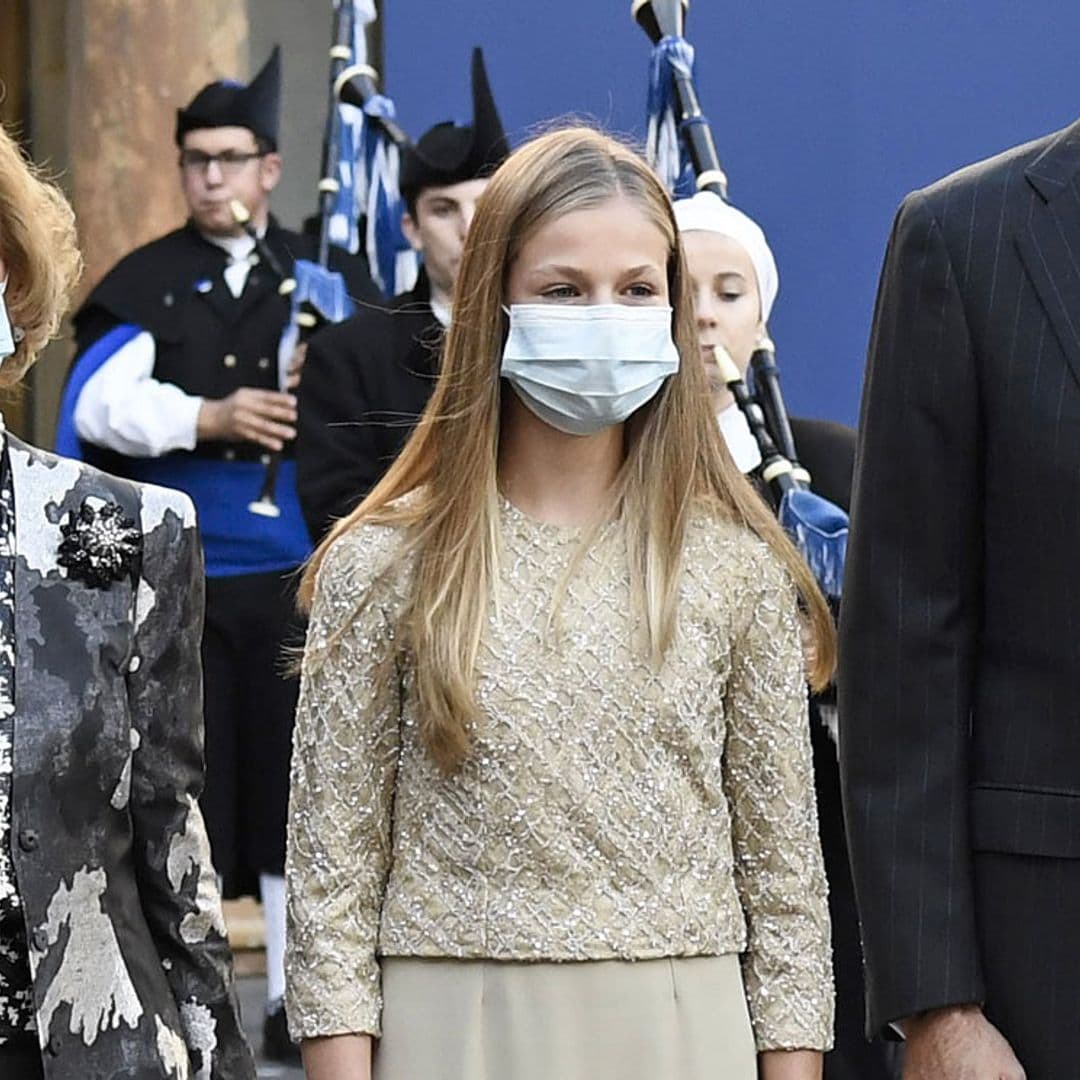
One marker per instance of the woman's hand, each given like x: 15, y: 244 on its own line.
x: 337, y: 1057
x: 790, y: 1065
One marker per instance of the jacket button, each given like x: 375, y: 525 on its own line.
x: 264, y: 459
x: 264, y: 362
x: 28, y: 839
x: 230, y: 360
x: 40, y: 940
x: 229, y: 454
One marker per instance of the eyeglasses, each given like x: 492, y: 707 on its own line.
x: 230, y: 162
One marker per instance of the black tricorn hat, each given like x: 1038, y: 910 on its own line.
x: 225, y: 103
x: 449, y: 154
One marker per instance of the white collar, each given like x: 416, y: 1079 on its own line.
x: 740, y: 439
x: 441, y: 312
x: 237, y: 248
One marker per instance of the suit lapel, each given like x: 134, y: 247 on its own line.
x: 1049, y: 242
x: 40, y: 489
x: 46, y: 489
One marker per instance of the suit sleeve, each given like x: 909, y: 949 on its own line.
x: 337, y: 455
x: 909, y: 631
x: 177, y: 883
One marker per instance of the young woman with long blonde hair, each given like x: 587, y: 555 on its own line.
x: 552, y: 805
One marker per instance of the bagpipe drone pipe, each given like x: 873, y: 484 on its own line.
x: 680, y: 145
x: 360, y: 163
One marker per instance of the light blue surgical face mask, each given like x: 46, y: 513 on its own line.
x: 582, y: 368
x: 9, y: 336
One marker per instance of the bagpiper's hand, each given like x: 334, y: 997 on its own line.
x: 957, y: 1043
x: 296, y: 365
x: 266, y: 417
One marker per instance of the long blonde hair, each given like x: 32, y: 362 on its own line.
x: 37, y: 244
x: 675, y: 461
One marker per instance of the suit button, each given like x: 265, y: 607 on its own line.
x: 229, y: 454
x: 40, y: 940
x: 264, y: 459
x: 230, y: 360
x: 28, y: 839
x: 264, y: 362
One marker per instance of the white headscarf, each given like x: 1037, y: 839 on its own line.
x: 706, y: 212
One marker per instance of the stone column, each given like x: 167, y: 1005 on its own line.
x: 106, y: 79
x: 131, y: 65
x: 13, y: 64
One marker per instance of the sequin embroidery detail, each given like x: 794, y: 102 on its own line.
x: 606, y: 811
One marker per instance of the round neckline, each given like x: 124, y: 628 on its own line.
x: 515, y: 515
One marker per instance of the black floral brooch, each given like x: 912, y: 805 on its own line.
x: 100, y: 544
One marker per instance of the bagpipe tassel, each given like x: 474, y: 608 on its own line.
x: 393, y: 263
x: 320, y: 297
x: 664, y: 148
x: 367, y: 179
x: 819, y: 530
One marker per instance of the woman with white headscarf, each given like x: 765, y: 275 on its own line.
x: 736, y: 282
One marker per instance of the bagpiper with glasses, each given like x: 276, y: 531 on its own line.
x: 180, y: 380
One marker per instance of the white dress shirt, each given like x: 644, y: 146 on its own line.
x: 124, y: 408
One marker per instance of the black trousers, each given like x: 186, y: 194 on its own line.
x: 853, y: 1057
x: 1028, y: 910
x: 20, y: 1060
x: 250, y: 702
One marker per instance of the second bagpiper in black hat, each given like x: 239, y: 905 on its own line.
x: 449, y: 153
x: 226, y: 103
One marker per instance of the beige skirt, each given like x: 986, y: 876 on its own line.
x: 678, y: 1019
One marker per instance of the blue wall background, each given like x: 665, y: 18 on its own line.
x: 825, y: 115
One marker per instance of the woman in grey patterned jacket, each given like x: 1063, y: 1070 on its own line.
x: 113, y: 956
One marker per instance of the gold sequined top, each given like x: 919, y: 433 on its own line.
x: 606, y: 810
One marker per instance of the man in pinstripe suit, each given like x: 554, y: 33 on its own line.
x: 960, y: 680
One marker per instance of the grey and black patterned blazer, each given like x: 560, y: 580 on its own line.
x: 131, y: 968
x: 960, y: 643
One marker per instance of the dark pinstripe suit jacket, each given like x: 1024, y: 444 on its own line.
x: 960, y: 678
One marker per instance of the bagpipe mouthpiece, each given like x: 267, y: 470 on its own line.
x: 729, y: 370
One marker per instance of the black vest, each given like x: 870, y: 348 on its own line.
x: 208, y: 342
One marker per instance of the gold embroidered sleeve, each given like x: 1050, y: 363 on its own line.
x: 344, y: 765
x: 768, y: 774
